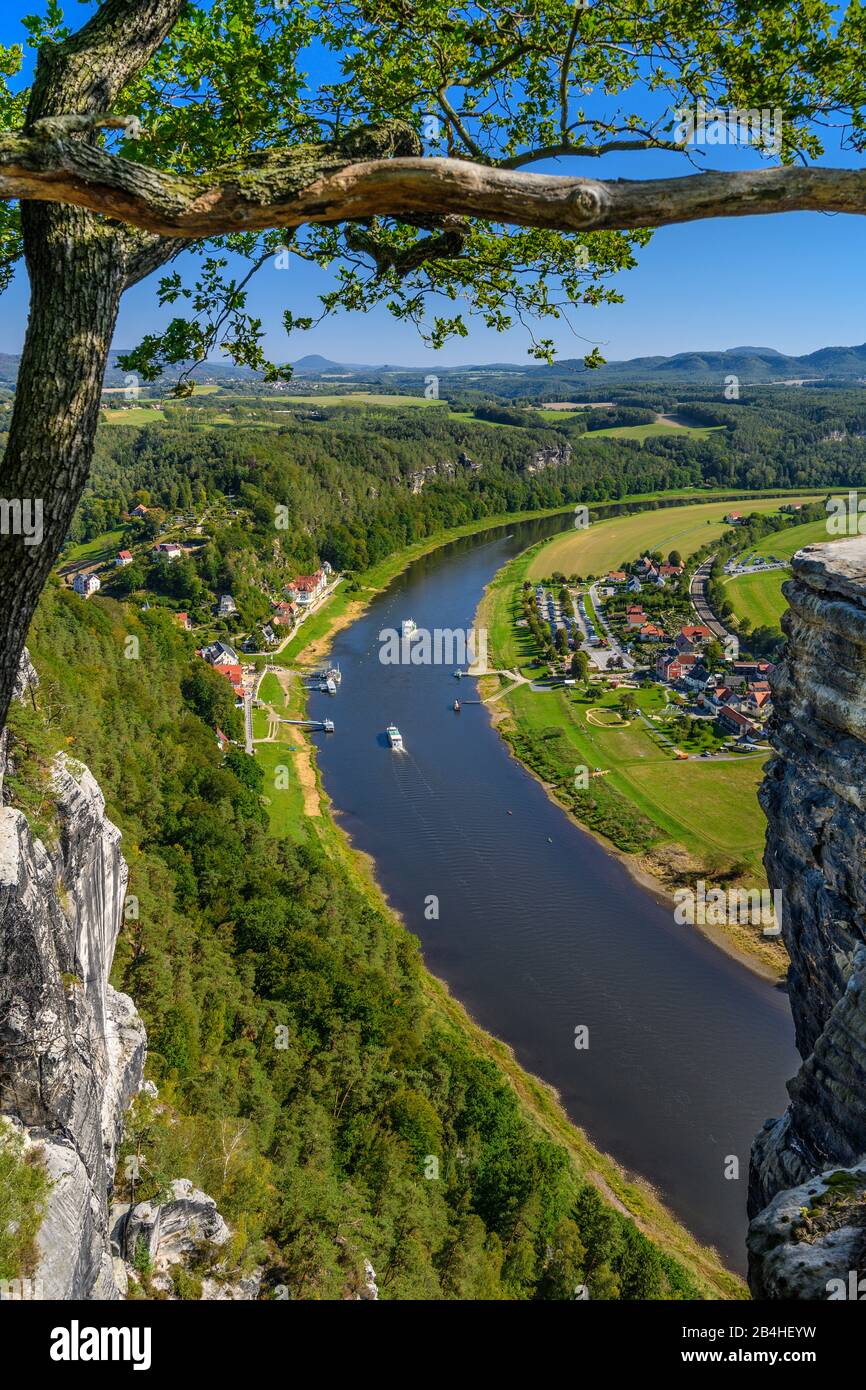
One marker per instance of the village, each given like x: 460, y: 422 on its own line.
x: 237, y: 655
x: 635, y: 627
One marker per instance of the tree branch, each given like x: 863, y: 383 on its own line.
x: 327, y: 184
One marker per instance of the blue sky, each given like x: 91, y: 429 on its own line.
x: 794, y: 282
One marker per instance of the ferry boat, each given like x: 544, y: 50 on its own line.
x: 408, y: 628
x: 395, y: 738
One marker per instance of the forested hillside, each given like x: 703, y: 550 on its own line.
x: 358, y: 483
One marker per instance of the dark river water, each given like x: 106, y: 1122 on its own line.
x: 540, y: 931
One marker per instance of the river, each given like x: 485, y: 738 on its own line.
x: 540, y: 931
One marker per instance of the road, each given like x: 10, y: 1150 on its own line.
x: 248, y: 722
x: 698, y: 596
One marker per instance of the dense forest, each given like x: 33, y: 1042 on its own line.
x: 307, y: 1079
x: 358, y: 483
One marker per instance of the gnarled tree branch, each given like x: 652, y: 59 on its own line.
x: 329, y: 183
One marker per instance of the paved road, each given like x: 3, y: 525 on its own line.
x: 698, y: 596
x: 248, y: 722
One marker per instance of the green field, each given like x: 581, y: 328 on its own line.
x: 96, y: 551
x: 709, y: 807
x: 759, y: 597
x: 133, y: 415
x: 285, y: 804
x: 642, y: 432
x: 604, y: 545
x: 271, y: 692
x: 357, y: 398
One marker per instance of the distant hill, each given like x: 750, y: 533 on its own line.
x: 315, y: 365
x: 750, y: 364
x: 753, y: 365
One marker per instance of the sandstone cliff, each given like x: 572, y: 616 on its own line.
x: 807, y: 1191
x: 72, y: 1049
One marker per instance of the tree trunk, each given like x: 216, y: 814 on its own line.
x: 77, y: 269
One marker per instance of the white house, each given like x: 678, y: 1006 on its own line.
x: 86, y: 584
x: 309, y: 586
x: 220, y: 654
x: 167, y: 550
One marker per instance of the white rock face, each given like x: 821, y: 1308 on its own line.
x: 810, y: 1239
x: 814, y: 794
x: 72, y: 1048
x: 171, y: 1230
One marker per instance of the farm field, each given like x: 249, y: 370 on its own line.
x: 604, y: 545
x: 642, y: 432
x: 357, y: 398
x: 134, y: 415
x: 759, y: 597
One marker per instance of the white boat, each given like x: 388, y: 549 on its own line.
x: 334, y: 674
x: 330, y: 686
x: 395, y: 738
x: 408, y: 628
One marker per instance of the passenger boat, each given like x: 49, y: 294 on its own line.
x: 395, y: 738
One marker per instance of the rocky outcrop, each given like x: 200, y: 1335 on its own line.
x: 72, y: 1048
x: 814, y: 794
x: 419, y: 479
x: 811, y: 1240
x: 150, y: 1240
x: 170, y: 1231
x: 556, y: 456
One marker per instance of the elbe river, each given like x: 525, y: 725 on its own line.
x: 540, y: 931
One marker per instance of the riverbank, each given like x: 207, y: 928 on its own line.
x: 538, y: 1100
x: 670, y: 823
